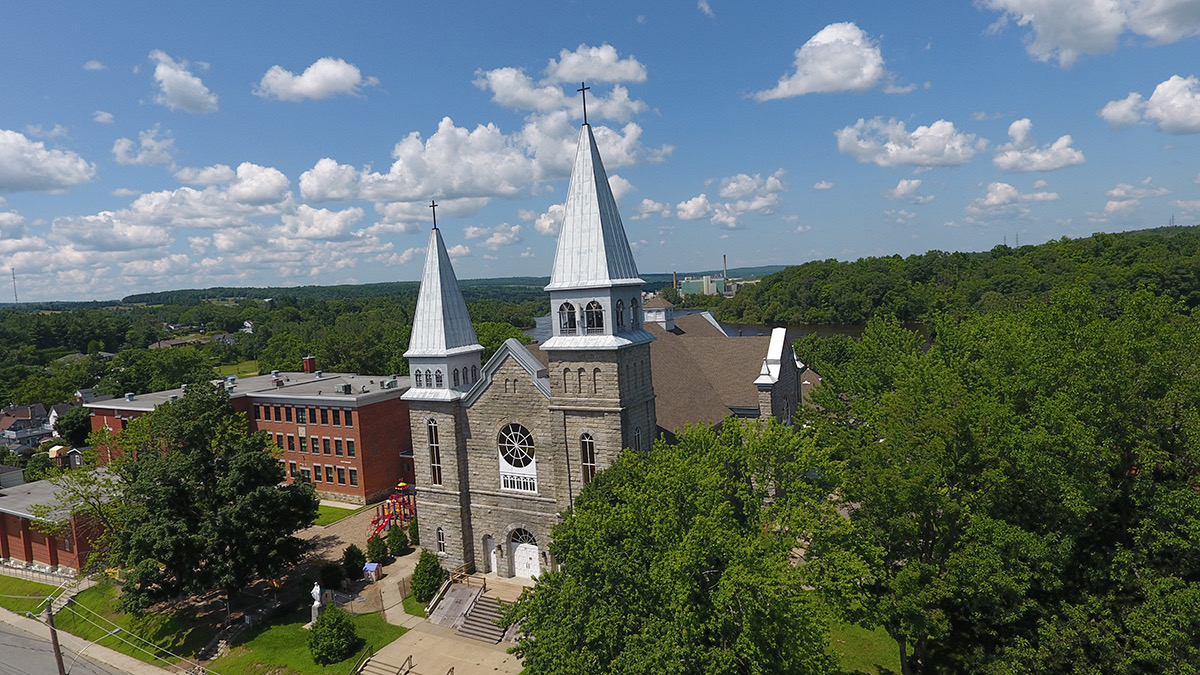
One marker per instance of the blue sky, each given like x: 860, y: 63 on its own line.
x: 300, y: 143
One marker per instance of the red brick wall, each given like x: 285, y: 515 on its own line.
x: 21, y: 541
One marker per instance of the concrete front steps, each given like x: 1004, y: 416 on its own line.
x: 481, y: 622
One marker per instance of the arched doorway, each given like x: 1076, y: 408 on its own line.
x: 524, y: 554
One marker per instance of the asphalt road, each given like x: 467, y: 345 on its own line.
x: 24, y: 654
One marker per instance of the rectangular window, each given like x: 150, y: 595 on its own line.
x: 291, y: 470
x: 258, y: 412
x: 291, y: 443
x: 328, y: 473
x: 325, y: 445
x: 349, y: 447
x: 278, y: 414
x: 303, y: 444
x: 287, y: 413
x: 349, y: 419
x: 341, y: 476
x: 337, y: 447
x: 317, y: 472
x: 305, y: 475
x: 300, y: 416
x: 279, y: 440
x: 354, y: 476
x: 337, y: 417
x: 324, y: 416
x: 312, y: 415
x: 435, y: 454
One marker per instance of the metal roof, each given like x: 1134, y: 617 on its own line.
x: 592, y: 248
x: 441, y: 325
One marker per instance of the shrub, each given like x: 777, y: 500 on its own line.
x: 353, y: 560
x: 332, y: 575
x: 333, y: 637
x: 377, y: 550
x: 414, y: 533
x: 427, y: 576
x: 397, y: 541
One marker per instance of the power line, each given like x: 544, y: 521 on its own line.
x: 75, y: 608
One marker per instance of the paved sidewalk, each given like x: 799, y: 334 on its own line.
x: 436, y: 650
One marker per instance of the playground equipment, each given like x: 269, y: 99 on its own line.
x: 399, y: 508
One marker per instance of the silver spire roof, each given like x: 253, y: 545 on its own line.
x: 592, y: 248
x: 441, y: 325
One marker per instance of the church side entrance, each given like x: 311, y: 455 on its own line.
x: 524, y: 554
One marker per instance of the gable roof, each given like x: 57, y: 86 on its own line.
x: 592, y: 249
x: 441, y: 325
x: 524, y: 358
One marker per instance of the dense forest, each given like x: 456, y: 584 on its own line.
x: 914, y: 288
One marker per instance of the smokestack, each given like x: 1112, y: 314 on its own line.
x: 725, y: 268
x: 674, y: 279
x: 310, y: 364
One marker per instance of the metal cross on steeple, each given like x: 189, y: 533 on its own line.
x: 433, y: 205
x: 583, y: 89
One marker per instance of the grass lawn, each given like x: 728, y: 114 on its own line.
x: 328, y: 515
x: 243, y: 369
x: 411, y: 606
x: 93, y: 613
x: 859, y: 650
x: 280, y: 646
x: 12, y: 586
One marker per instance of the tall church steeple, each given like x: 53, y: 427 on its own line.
x: 595, y: 290
x: 443, y: 352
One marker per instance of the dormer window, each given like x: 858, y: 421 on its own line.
x: 419, y: 379
x: 593, y: 316
x: 566, y: 319
x: 456, y: 377
x: 635, y: 319
x: 619, y: 313
x: 437, y: 376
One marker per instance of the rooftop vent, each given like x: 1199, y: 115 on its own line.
x: 345, y: 388
x: 274, y: 373
x: 129, y: 396
x: 319, y: 374
x: 174, y: 397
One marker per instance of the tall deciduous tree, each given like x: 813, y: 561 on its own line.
x: 205, y: 505
x: 672, y: 558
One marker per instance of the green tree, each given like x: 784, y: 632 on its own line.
x: 492, y: 334
x: 414, y: 532
x: 353, y: 560
x: 74, y: 426
x: 397, y: 541
x: 39, y: 467
x: 206, y: 508
x: 333, y: 637
x: 377, y: 550
x: 427, y: 576
x: 674, y: 557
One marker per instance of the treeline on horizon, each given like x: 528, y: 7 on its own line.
x: 1163, y: 260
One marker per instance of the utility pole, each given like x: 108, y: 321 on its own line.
x: 54, y: 636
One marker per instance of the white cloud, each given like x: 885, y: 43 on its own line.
x: 125, y: 192
x: 899, y: 215
x: 12, y: 225
x: 1065, y: 30
x: 823, y: 185
x: 841, y: 57
x: 695, y: 208
x: 494, y: 237
x: 704, y: 8
x: 748, y: 194
x: 1125, y: 198
x: 594, y: 64
x: 1189, y: 206
x: 28, y: 166
x: 324, y: 78
x: 512, y: 88
x: 150, y: 148
x: 548, y: 223
x: 310, y: 223
x: 258, y: 185
x: 620, y: 187
x: 37, y: 131
x: 217, y: 174
x: 94, y: 65
x: 329, y: 181
x: 1004, y: 201
x: 178, y: 88
x: 907, y: 190
x: 108, y: 231
x: 1023, y: 154
x: 890, y: 144
x: 648, y: 208
x: 102, y: 117
x: 1174, y: 107
x: 458, y: 251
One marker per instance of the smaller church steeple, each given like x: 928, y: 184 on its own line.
x: 443, y: 351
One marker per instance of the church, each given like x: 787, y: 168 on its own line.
x: 501, y: 449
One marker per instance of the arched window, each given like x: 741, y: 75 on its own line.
x: 787, y: 411
x: 619, y: 313
x: 456, y: 377
x: 474, y: 374
x: 435, y: 452
x: 419, y: 379
x: 637, y: 438
x: 635, y: 317
x: 566, y: 377
x: 595, y: 380
x: 587, y: 453
x: 593, y: 316
x: 441, y: 541
x: 437, y: 377
x: 428, y: 379
x: 579, y: 380
x: 518, y: 470
x: 566, y: 319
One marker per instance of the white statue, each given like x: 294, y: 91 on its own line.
x: 316, y: 594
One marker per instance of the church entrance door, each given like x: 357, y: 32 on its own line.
x: 489, y: 545
x: 524, y: 554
